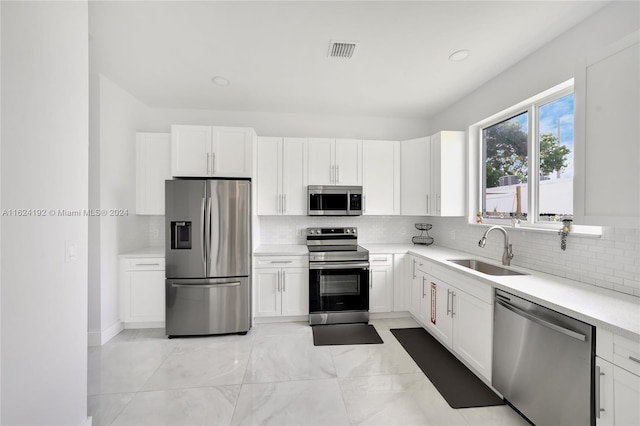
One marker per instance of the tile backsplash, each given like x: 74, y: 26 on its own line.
x: 371, y: 229
x: 611, y: 261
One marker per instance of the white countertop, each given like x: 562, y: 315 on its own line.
x: 281, y: 250
x: 608, y: 309
x: 144, y: 252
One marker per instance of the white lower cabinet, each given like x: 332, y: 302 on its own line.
x: 456, y: 310
x: 418, y: 306
x: 401, y: 283
x: 617, y: 398
x: 281, y: 286
x: 142, y: 292
x: 381, y: 283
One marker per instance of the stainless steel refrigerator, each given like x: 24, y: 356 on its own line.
x: 208, y: 256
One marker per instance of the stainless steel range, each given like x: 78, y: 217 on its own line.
x: 338, y: 277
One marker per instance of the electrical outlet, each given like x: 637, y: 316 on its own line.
x: 70, y: 251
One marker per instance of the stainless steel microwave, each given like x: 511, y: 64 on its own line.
x: 334, y: 200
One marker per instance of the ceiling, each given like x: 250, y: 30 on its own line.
x: 274, y: 54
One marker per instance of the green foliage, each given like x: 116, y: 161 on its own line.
x: 506, y: 153
x: 552, y: 155
x: 506, y: 145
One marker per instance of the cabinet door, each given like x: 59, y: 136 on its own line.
x: 295, y: 291
x: 381, y: 177
x: 146, y: 294
x: 320, y: 164
x: 268, y: 299
x: 448, y: 174
x: 626, y: 391
x: 415, y: 177
x: 401, y: 282
x: 606, y: 137
x: 381, y: 289
x: 294, y: 176
x: 348, y: 162
x: 232, y: 151
x: 472, y: 331
x: 190, y: 150
x: 269, y: 176
x: 153, y: 167
x: 604, y: 398
x: 440, y: 304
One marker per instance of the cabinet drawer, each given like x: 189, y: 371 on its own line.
x: 144, y: 264
x: 380, y: 259
x: 626, y: 354
x: 281, y: 261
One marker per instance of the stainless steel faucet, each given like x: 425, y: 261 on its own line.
x: 507, y: 254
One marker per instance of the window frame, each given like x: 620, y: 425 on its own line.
x: 477, y: 159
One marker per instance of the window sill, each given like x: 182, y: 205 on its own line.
x: 576, y: 230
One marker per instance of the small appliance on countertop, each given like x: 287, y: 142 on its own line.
x: 338, y: 276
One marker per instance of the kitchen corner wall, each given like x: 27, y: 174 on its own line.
x: 612, y: 261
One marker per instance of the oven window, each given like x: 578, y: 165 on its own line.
x: 339, y: 285
x: 328, y: 201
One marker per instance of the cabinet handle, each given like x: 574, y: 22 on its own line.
x: 428, y: 203
x: 338, y: 174
x: 448, y: 297
x: 453, y: 295
x: 332, y: 174
x: 599, y: 409
x: 279, y: 281
x: 438, y: 204
x: 423, y: 293
x: 147, y: 264
x: 370, y: 279
x: 379, y: 259
x: 414, y: 268
x: 208, y: 162
x: 634, y: 359
x: 284, y: 203
x: 281, y: 261
x: 284, y: 281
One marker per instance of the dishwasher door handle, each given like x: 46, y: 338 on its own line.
x: 542, y: 322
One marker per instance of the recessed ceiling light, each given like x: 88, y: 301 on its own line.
x: 459, y: 55
x: 220, y: 81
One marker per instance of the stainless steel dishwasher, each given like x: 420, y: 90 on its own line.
x: 543, y: 362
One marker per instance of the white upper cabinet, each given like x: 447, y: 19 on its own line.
x: 381, y: 177
x: 607, y: 136
x: 334, y: 161
x: 153, y: 167
x: 205, y: 151
x: 448, y: 174
x: 281, y: 176
x: 415, y: 177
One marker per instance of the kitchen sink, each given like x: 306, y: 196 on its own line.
x: 485, y: 268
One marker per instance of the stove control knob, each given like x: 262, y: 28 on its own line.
x: 348, y: 230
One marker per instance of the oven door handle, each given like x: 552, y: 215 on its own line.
x: 338, y: 265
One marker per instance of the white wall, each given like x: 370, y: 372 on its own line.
x: 120, y: 116
x: 612, y: 261
x: 44, y: 166
x: 294, y: 125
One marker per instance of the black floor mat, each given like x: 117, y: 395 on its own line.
x: 459, y: 386
x: 345, y: 334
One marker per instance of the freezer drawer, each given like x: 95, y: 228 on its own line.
x: 210, y: 306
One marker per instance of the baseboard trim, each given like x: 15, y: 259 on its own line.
x: 99, y: 338
x: 267, y: 320
x: 144, y: 324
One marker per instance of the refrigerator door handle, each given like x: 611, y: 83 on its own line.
x: 207, y: 230
x: 231, y: 284
x: 202, y: 229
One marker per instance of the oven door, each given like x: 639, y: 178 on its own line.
x: 338, y: 286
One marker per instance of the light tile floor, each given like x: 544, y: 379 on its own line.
x: 272, y: 376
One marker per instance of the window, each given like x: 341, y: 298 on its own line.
x: 527, y: 161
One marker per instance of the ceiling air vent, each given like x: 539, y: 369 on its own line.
x: 342, y: 49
